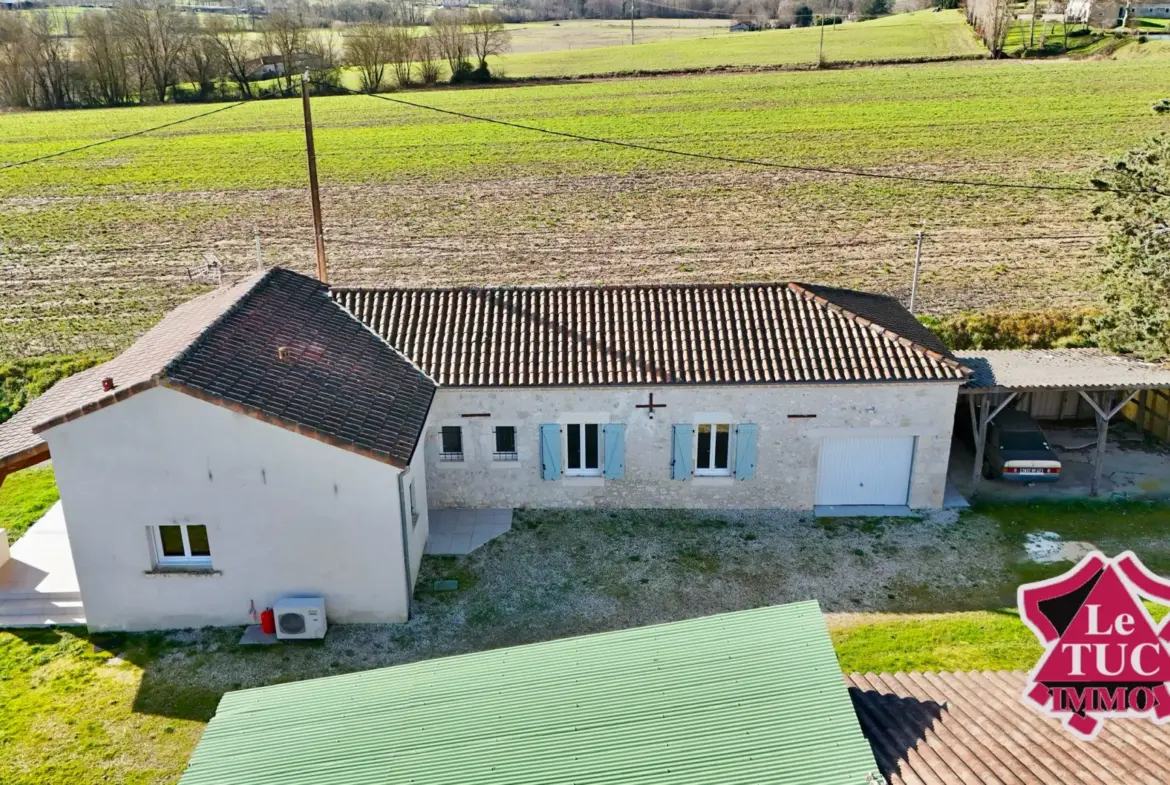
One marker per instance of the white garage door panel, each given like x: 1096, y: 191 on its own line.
x: 865, y: 470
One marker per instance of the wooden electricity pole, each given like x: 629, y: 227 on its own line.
x: 917, y: 262
x: 314, y: 192
x: 631, y: 22
x: 821, y: 49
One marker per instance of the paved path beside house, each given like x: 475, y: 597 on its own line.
x: 38, y: 585
x: 458, y: 532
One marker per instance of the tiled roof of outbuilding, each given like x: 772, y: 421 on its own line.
x: 671, y: 334
x: 973, y: 728
x: 337, y: 381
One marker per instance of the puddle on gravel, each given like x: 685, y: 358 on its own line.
x: 1048, y: 547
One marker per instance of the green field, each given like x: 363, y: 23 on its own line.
x: 95, y: 246
x: 923, y: 35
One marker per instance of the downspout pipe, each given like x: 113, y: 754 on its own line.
x: 402, y: 515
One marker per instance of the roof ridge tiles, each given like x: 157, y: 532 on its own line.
x: 197, y: 342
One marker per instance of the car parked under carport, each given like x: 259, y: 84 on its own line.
x: 1018, y: 451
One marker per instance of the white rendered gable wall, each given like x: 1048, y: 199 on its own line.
x: 286, y: 514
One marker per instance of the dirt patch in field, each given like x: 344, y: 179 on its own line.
x: 127, y: 263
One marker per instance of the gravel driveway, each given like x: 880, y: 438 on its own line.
x: 560, y: 573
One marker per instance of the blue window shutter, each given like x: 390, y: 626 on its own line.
x: 615, y: 450
x: 680, y: 449
x: 550, y: 452
x: 745, y: 451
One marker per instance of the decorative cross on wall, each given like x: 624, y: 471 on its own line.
x: 651, y: 406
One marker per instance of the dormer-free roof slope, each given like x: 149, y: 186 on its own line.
x: 668, y: 334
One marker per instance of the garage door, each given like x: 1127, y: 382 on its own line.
x: 865, y: 470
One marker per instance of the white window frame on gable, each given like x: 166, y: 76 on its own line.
x: 709, y: 465
x: 188, y: 558
x: 582, y: 458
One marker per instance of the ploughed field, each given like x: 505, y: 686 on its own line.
x: 96, y: 245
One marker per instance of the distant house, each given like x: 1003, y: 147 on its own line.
x: 272, y: 66
x: 1102, y: 14
x: 743, y: 27
x: 1161, y: 11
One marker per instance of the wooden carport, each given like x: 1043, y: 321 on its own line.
x: 1106, y: 382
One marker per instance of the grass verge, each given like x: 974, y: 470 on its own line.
x: 24, y: 498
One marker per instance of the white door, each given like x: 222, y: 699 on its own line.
x: 865, y: 470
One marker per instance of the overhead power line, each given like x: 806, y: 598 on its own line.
x: 91, y: 145
x: 767, y: 164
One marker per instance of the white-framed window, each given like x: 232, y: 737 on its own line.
x: 713, y: 449
x: 181, y: 545
x: 452, y: 443
x: 505, y: 443
x: 583, y: 450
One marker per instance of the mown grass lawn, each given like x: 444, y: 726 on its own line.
x: 24, y: 498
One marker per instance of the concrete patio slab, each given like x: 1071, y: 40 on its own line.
x: 254, y: 635
x: 456, y: 532
x: 38, y: 585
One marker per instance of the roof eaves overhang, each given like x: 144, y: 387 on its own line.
x: 117, y: 396
x: 366, y: 452
x: 972, y: 389
x: 950, y: 362
x: 30, y: 456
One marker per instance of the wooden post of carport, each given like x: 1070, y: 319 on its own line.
x: 1104, y: 412
x: 979, y: 426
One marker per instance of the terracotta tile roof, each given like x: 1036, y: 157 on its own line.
x: 972, y: 728
x: 674, y: 334
x: 338, y: 382
x: 1067, y: 369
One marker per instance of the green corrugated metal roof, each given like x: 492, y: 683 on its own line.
x: 750, y: 697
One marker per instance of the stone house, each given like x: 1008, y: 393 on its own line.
x: 276, y: 438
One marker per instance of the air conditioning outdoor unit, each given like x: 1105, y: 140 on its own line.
x: 300, y: 618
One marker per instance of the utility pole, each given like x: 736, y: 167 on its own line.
x: 821, y: 50
x: 631, y: 22
x: 917, y: 262
x: 318, y: 229
x: 259, y: 252
x: 1032, y: 27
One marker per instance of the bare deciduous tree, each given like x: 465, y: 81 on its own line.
x: 992, y: 19
x: 107, y: 58
x: 488, y: 36
x: 452, y: 41
x: 49, y: 56
x: 158, y: 35
x: 426, y: 51
x: 285, y: 35
x: 403, y: 51
x: 236, y: 50
x: 203, y: 63
x: 16, y: 69
x: 369, y: 48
